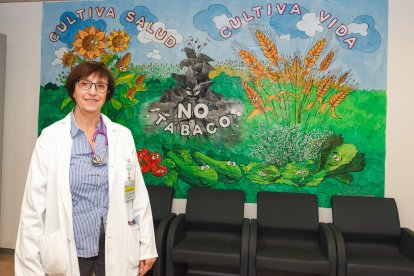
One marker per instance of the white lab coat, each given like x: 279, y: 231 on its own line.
x: 45, y: 241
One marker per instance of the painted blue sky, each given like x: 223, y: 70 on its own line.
x: 366, y: 22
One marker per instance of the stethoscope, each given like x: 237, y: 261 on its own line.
x: 96, y: 159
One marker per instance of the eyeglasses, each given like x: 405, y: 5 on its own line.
x: 101, y: 87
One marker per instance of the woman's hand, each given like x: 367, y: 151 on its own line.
x: 145, y: 265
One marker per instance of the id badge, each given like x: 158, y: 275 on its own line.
x: 129, y: 190
x: 129, y: 185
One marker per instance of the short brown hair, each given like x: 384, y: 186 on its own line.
x: 86, y: 69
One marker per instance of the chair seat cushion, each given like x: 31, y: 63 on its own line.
x: 377, y: 260
x: 303, y: 257
x: 222, y: 249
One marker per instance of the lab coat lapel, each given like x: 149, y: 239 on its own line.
x: 63, y: 159
x: 110, y: 132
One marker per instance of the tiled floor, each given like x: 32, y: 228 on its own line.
x: 6, y: 265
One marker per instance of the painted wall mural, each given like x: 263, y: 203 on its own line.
x: 254, y: 95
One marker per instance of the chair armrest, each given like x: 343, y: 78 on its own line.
x: 175, y: 234
x: 244, y: 254
x: 177, y: 231
x: 340, y: 250
x: 162, y: 230
x: 328, y: 247
x: 252, y: 247
x: 407, y: 243
x: 161, y: 242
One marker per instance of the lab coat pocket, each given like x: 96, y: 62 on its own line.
x: 133, y: 245
x: 52, y: 253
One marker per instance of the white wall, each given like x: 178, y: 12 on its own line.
x: 22, y: 25
x: 399, y: 180
x: 3, y: 44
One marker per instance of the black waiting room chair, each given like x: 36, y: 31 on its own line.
x: 211, y: 238
x: 161, y: 202
x: 288, y: 239
x: 369, y: 238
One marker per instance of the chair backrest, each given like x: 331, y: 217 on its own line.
x: 367, y: 218
x: 215, y: 209
x: 161, y: 201
x: 289, y: 211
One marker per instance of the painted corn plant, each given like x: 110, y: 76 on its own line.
x: 91, y: 43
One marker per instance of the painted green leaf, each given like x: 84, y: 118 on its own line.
x: 169, y: 163
x: 345, y: 178
x: 140, y: 88
x: 171, y: 178
x: 122, y: 93
x: 65, y: 103
x: 261, y: 173
x: 116, y: 104
x: 356, y: 165
x: 125, y: 78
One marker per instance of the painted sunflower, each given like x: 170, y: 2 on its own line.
x: 90, y: 43
x: 118, y: 41
x: 68, y: 59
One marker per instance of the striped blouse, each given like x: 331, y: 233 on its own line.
x: 89, y: 188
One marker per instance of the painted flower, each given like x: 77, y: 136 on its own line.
x: 90, y: 43
x: 106, y: 58
x: 68, y: 59
x: 118, y: 41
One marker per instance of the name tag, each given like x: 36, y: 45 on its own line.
x: 129, y: 190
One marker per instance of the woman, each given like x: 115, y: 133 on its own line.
x: 85, y: 206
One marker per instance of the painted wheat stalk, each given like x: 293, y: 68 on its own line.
x: 307, y: 88
x: 323, y: 88
x: 306, y: 92
x: 288, y: 73
x: 253, y: 96
x: 326, y: 62
x: 335, y: 100
x: 296, y: 64
x: 274, y: 76
x: 314, y: 53
x: 342, y: 78
x: 268, y: 47
x: 257, y: 102
x: 252, y: 62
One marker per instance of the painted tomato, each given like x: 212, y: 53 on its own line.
x: 145, y: 166
x: 158, y: 170
x: 153, y: 157
x: 141, y: 153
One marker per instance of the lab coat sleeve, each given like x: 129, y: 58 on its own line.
x: 142, y: 212
x: 143, y: 208
x: 31, y: 227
